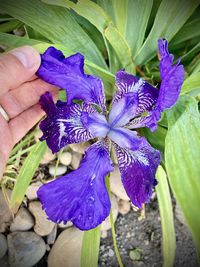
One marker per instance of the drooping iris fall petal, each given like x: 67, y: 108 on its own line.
x: 80, y: 196
x: 63, y: 124
x: 68, y: 73
x: 138, y: 168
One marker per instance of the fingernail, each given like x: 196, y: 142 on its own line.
x: 28, y: 56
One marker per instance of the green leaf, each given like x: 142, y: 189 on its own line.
x: 13, y: 41
x: 98, y: 17
x: 56, y: 24
x: 90, y: 247
x: 191, y: 83
x: 182, y: 157
x: 26, y: 174
x: 170, y: 17
x: 166, y: 216
x: 10, y: 25
x: 188, y: 31
x: 156, y: 139
x: 191, y: 53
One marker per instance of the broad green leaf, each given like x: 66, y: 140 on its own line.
x: 130, y: 18
x: 97, y: 16
x: 56, y: 24
x: 13, y: 41
x: 26, y: 174
x: 157, y: 138
x: 90, y: 247
x: 182, y: 157
x: 191, y: 83
x: 10, y: 25
x: 188, y: 31
x: 166, y: 216
x: 121, y: 48
x: 170, y: 17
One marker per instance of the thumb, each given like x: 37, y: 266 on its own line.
x: 17, y: 66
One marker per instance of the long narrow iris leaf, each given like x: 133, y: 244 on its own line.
x: 26, y: 174
x: 98, y: 17
x: 90, y: 247
x: 167, y: 220
x: 170, y: 17
x: 182, y: 156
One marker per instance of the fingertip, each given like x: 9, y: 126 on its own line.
x: 28, y: 57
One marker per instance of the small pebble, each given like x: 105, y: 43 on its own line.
x: 76, y: 159
x: 111, y: 253
x: 25, y: 249
x: 52, y: 236
x: 66, y: 158
x: 32, y: 189
x: 124, y: 206
x: 67, y: 249
x: 3, y: 245
x: 80, y: 147
x: 48, y: 157
x: 116, y: 185
x: 59, y: 171
x: 23, y: 221
x: 5, y: 213
x: 42, y: 226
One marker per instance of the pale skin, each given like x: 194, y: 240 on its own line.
x: 20, y: 90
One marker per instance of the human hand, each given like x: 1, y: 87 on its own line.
x: 20, y: 91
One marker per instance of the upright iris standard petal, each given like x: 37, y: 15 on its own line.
x: 138, y: 170
x: 172, y: 77
x: 68, y: 73
x: 80, y: 196
x: 133, y: 97
x: 63, y: 124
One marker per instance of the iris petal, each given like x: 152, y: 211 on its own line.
x: 125, y: 138
x: 68, y: 73
x: 80, y: 196
x: 133, y: 97
x: 138, y: 170
x: 172, y: 78
x: 63, y: 124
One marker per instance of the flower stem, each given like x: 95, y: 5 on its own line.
x: 113, y: 227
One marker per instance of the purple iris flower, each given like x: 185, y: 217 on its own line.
x: 81, y: 196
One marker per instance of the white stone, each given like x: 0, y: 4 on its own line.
x: 80, y: 147
x: 59, y: 171
x: 106, y: 223
x: 66, y: 252
x: 42, y: 226
x: 25, y: 249
x: 23, y: 221
x: 32, y: 189
x: 3, y: 245
x: 5, y: 213
x: 52, y: 236
x: 48, y: 157
x: 111, y: 253
x: 76, y: 159
x: 124, y: 206
x: 66, y: 158
x: 116, y: 185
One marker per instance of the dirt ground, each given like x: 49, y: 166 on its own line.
x: 145, y: 236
